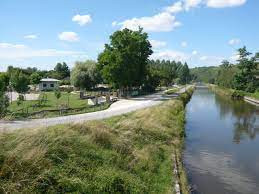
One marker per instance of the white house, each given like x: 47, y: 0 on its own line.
x: 48, y: 84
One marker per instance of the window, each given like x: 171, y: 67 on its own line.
x: 52, y: 85
x: 44, y: 85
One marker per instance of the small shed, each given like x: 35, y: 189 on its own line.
x: 48, y: 84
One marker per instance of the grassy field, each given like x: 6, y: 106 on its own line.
x: 52, y: 103
x: 131, y: 153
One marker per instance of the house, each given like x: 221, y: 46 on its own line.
x: 48, y: 84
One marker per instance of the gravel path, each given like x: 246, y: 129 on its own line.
x: 117, y: 108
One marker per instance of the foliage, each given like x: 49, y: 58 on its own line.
x: 19, y: 82
x: 183, y: 74
x: 57, y: 94
x: 204, y: 74
x: 4, y: 81
x: 35, y: 78
x: 226, y: 75
x: 4, y: 103
x: 123, y: 63
x: 245, y: 78
x: 85, y: 75
x: 62, y: 70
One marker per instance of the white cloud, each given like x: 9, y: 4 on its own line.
x: 194, y: 52
x: 17, y: 52
x: 162, y: 22
x: 157, y: 44
x: 224, y: 3
x: 184, y: 44
x: 191, y: 4
x: 82, y: 19
x: 68, y: 36
x: 170, y: 55
x: 234, y: 41
x: 175, y: 8
x: 114, y: 23
x: 4, y: 45
x: 31, y: 36
x: 203, y: 58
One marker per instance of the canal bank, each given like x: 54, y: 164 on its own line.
x: 137, y: 152
x: 221, y: 145
x: 233, y: 94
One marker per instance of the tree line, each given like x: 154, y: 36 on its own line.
x: 241, y: 76
x: 124, y: 64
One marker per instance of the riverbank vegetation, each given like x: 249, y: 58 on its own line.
x: 239, y: 80
x: 131, y: 153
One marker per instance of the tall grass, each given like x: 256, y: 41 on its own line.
x: 124, y: 154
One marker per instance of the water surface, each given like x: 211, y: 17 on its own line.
x: 222, y: 144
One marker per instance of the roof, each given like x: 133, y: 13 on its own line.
x: 257, y: 60
x: 49, y: 80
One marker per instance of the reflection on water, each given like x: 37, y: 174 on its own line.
x: 245, y: 115
x: 222, y: 144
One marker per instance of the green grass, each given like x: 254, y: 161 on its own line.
x: 131, y: 153
x: 254, y: 95
x: 16, y: 112
x: 172, y: 91
x: 230, y: 92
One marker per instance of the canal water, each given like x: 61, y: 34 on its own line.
x: 222, y: 145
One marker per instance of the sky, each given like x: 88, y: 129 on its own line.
x: 40, y: 33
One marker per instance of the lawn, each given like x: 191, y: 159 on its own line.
x: 131, y: 153
x: 52, y: 103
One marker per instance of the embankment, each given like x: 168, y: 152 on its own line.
x: 250, y: 98
x: 131, y: 153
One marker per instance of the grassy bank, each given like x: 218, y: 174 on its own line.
x: 131, y: 153
x: 233, y: 93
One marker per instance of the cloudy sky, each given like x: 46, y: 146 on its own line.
x: 202, y: 32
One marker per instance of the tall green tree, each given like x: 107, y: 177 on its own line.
x: 61, y: 71
x: 85, y: 75
x: 184, y: 74
x: 35, y: 78
x: 123, y: 63
x: 245, y: 78
x: 226, y: 74
x: 19, y: 82
x: 4, y: 101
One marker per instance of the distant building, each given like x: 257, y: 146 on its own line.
x: 257, y: 60
x: 48, y: 84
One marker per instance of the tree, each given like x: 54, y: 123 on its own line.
x: 19, y: 82
x: 245, y: 78
x: 123, y: 63
x: 57, y: 94
x: 62, y: 71
x: 184, y: 74
x: 4, y: 81
x: 4, y: 103
x: 85, y: 75
x: 35, y: 78
x: 226, y: 74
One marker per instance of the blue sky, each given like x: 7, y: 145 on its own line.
x: 202, y: 32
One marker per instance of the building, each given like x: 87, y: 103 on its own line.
x: 48, y: 84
